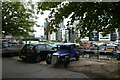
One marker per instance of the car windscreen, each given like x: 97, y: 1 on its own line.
x: 62, y: 47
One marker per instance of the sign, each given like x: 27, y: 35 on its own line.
x: 8, y: 36
x: 104, y: 38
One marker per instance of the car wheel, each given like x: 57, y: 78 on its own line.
x: 38, y: 58
x: 12, y: 54
x: 77, y: 58
x: 48, y: 60
x: 54, y: 61
x: 66, y: 62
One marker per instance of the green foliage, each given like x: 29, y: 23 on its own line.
x: 17, y: 18
x: 47, y: 5
x: 101, y: 16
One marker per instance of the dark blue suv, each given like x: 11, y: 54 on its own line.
x: 65, y: 52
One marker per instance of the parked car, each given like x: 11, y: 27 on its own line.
x: 116, y: 53
x: 65, y: 52
x: 35, y: 52
x: 108, y: 50
x: 92, y: 51
x: 9, y: 49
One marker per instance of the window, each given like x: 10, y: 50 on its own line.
x: 28, y: 47
x: 62, y: 47
x: 41, y: 47
x: 49, y: 47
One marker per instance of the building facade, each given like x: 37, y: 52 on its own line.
x: 69, y: 35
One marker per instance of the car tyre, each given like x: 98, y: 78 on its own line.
x: 12, y: 54
x: 77, y: 58
x: 66, y: 62
x: 54, y: 61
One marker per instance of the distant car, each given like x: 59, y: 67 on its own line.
x: 35, y: 52
x: 108, y: 50
x: 9, y: 49
x: 65, y: 52
x: 116, y: 53
x: 92, y: 51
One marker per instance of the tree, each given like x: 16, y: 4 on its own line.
x: 17, y: 18
x: 100, y: 16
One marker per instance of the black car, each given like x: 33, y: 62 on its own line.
x: 35, y: 52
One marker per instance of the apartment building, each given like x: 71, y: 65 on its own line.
x: 64, y: 34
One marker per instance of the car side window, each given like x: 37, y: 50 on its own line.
x: 49, y: 47
x: 37, y: 49
x: 72, y: 47
x: 41, y: 47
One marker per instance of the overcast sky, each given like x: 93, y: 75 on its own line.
x: 39, y: 30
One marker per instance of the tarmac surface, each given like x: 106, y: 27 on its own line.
x: 15, y: 68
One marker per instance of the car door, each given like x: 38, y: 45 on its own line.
x: 49, y: 48
x: 73, y: 51
x: 42, y: 50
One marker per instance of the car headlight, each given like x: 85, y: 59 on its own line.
x: 56, y: 54
x: 67, y: 56
x: 64, y: 54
